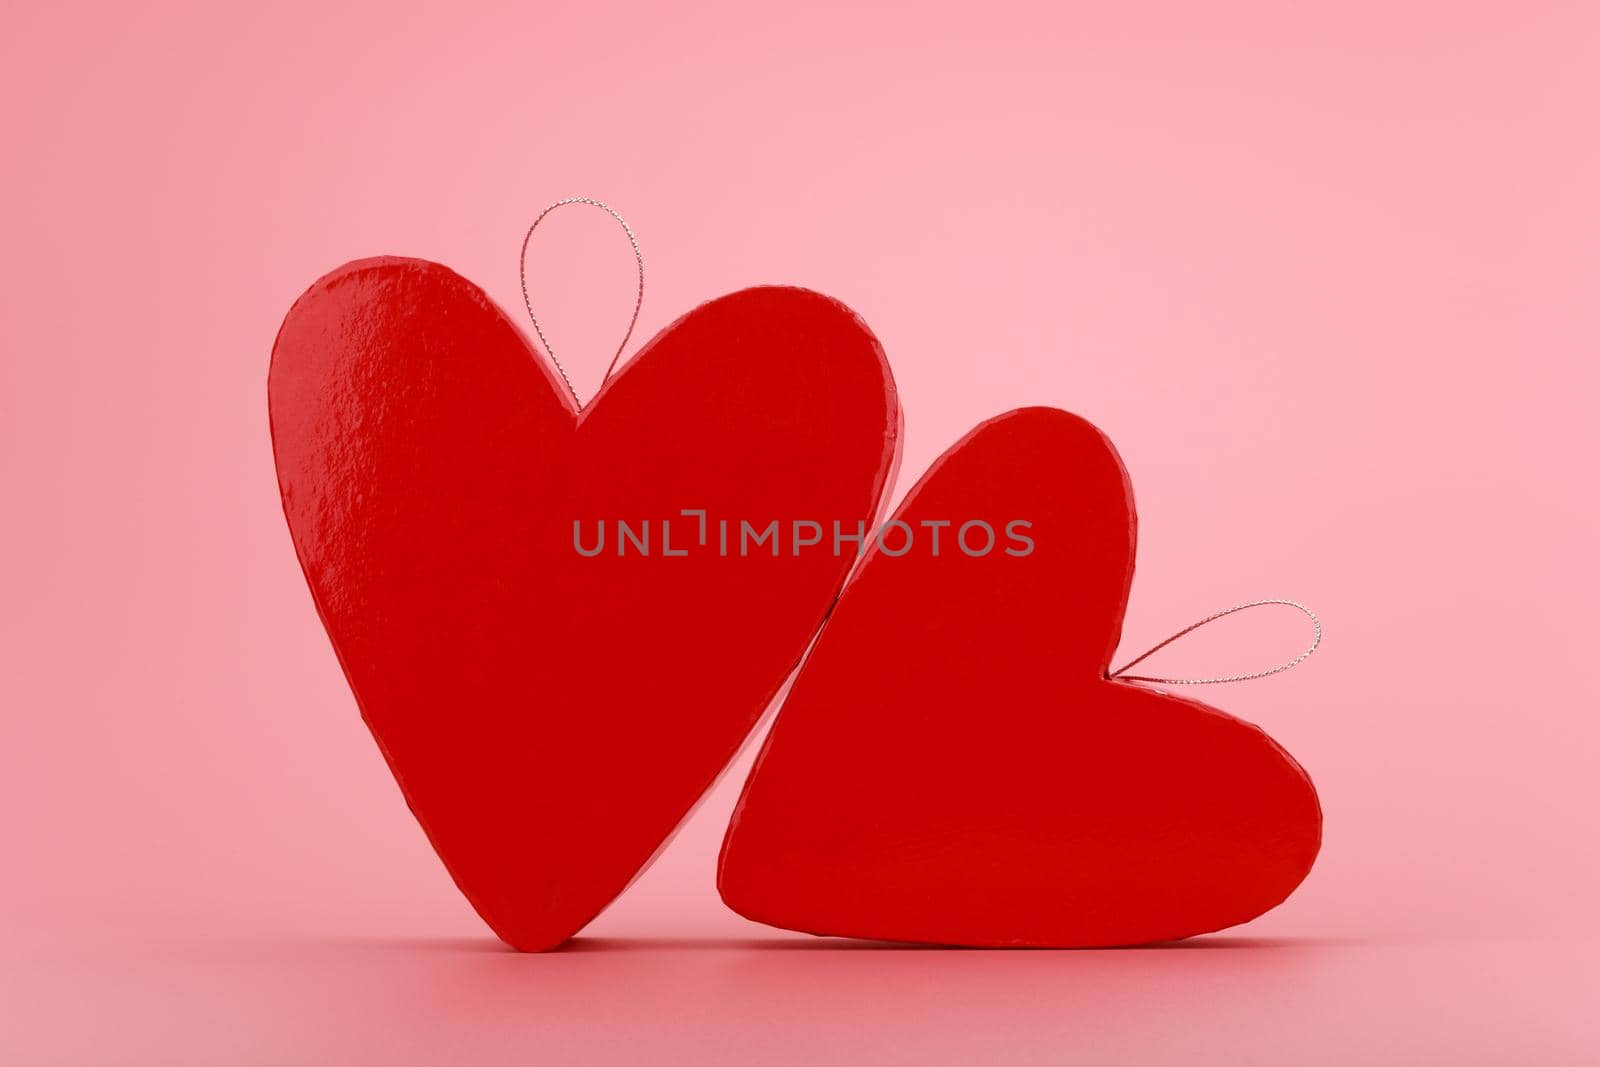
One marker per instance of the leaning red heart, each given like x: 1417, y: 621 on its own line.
x: 953, y: 764
x: 551, y: 716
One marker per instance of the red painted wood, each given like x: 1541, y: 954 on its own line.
x: 551, y: 718
x: 953, y: 766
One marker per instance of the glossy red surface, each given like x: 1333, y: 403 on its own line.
x: 551, y: 717
x: 953, y: 766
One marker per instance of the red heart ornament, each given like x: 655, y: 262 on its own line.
x: 552, y: 716
x: 953, y: 764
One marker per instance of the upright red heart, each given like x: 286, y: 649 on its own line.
x: 953, y: 764
x: 552, y: 715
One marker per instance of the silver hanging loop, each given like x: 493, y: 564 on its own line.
x: 1121, y: 672
x: 522, y: 271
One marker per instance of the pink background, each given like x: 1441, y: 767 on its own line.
x: 1326, y: 272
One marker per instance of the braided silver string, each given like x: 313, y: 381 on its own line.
x: 522, y: 271
x: 1121, y: 672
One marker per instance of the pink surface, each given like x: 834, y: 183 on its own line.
x: 1326, y: 274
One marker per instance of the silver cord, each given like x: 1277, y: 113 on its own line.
x: 522, y: 271
x: 1121, y: 672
